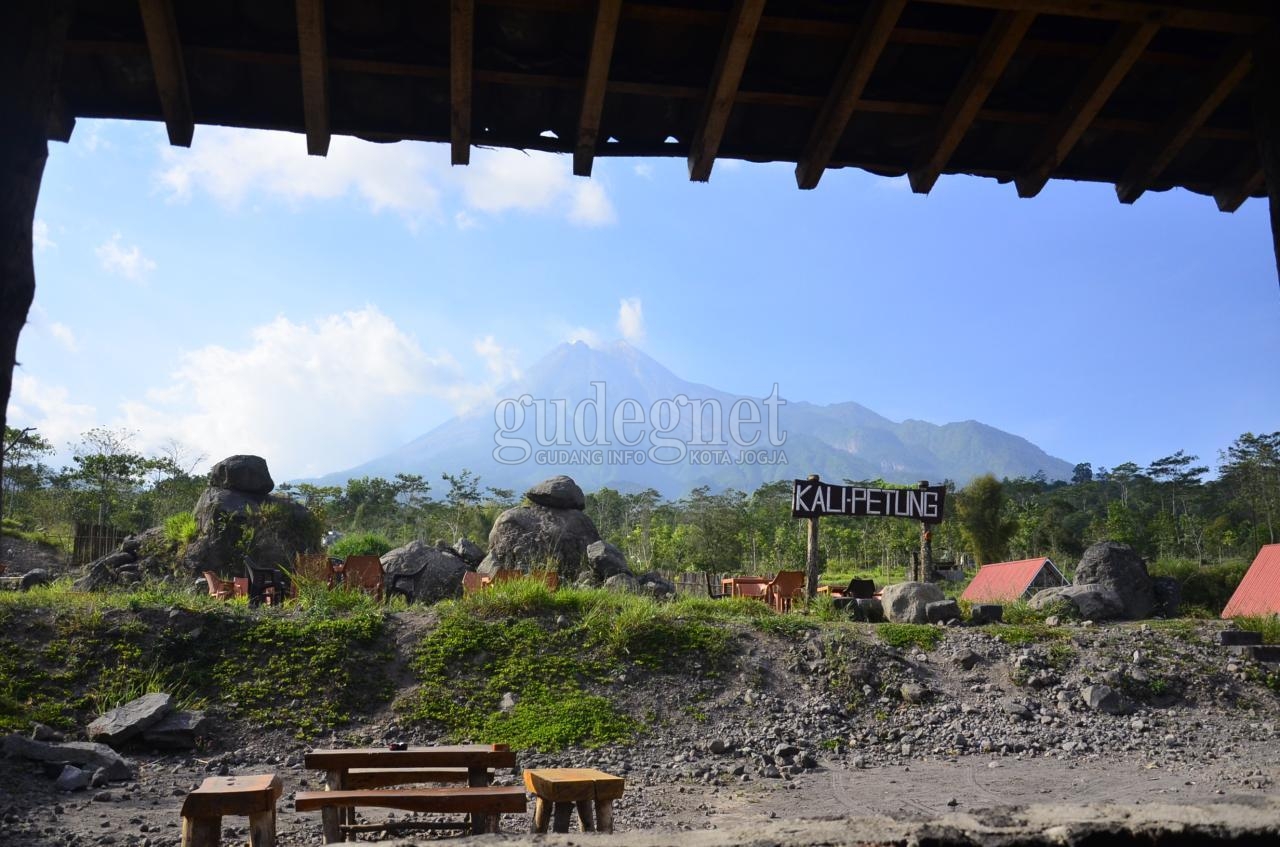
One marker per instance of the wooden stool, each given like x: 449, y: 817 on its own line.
x: 558, y: 790
x: 254, y: 795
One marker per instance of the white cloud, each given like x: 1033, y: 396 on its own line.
x: 591, y: 206
x: 643, y: 170
x: 128, y: 262
x: 631, y: 320
x: 232, y: 164
x: 310, y: 398
x: 588, y: 336
x: 49, y: 409
x: 65, y: 336
x: 498, y: 360
x: 411, y: 179
x: 40, y: 236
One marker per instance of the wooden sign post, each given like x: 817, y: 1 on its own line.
x: 811, y: 552
x: 812, y: 498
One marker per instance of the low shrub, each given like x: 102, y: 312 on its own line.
x: 924, y: 636
x: 181, y: 528
x: 360, y: 544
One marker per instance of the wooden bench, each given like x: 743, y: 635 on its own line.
x: 359, y: 777
x: 486, y: 803
x: 252, y: 795
x: 558, y: 790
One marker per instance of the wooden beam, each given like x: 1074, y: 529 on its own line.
x: 169, y: 68
x: 1266, y: 120
x: 62, y: 121
x: 462, y: 15
x: 1103, y: 77
x: 595, y: 84
x: 1168, y: 141
x: 859, y: 61
x: 735, y: 47
x: 997, y: 48
x: 1240, y: 185
x: 313, y: 59
x: 1189, y: 14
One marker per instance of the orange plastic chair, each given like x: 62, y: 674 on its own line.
x: 471, y: 582
x: 221, y: 588
x: 363, y: 573
x: 312, y: 566
x: 784, y: 588
x: 551, y: 578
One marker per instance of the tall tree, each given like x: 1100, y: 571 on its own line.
x: 981, y: 509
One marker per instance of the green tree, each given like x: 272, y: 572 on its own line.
x: 20, y: 466
x: 981, y: 510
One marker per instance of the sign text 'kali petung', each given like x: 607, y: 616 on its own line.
x: 819, y: 499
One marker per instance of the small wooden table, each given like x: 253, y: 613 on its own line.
x: 478, y: 759
x: 251, y: 795
x: 744, y: 586
x: 558, y: 790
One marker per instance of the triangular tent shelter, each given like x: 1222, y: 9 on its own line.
x: 1004, y: 582
x: 1259, y: 592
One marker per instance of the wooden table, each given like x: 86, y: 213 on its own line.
x: 558, y: 790
x: 478, y: 759
x: 744, y: 586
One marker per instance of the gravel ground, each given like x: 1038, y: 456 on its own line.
x: 827, y: 725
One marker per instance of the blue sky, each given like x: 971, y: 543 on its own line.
x: 243, y: 297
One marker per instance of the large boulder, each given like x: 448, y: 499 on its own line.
x: 426, y: 574
x: 124, y: 722
x: 1091, y: 602
x: 468, y: 551
x: 1117, y: 567
x: 558, y: 492
x: 907, y: 602
x: 242, y: 473
x: 606, y: 560
x: 537, y: 537
x: 83, y: 753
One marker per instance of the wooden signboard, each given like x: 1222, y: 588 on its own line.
x: 811, y: 499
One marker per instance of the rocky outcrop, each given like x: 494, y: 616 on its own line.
x: 147, y: 554
x: 237, y: 517
x: 907, y: 602
x: 131, y: 719
x: 423, y: 573
x: 1117, y: 567
x: 468, y: 551
x: 1090, y: 602
x: 83, y: 753
x: 538, y: 536
x: 606, y: 560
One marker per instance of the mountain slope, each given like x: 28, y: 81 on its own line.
x: 616, y: 417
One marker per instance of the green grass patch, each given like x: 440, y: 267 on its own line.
x: 360, y: 544
x: 181, y: 528
x: 1268, y: 626
x: 1027, y: 633
x: 924, y: 636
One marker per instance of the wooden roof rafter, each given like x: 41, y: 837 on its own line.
x: 313, y: 58
x: 170, y: 70
x: 1092, y: 93
x: 860, y: 59
x: 1182, y: 125
x: 462, y: 16
x: 1240, y: 185
x: 997, y: 48
x: 735, y: 47
x: 595, y: 84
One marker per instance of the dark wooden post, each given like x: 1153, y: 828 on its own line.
x: 32, y: 34
x: 926, y: 546
x: 811, y: 552
x: 1266, y: 120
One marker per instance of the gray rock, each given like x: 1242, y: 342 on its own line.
x: 84, y: 753
x: 913, y: 692
x: 468, y: 551
x: 423, y: 573
x: 242, y: 473
x: 1092, y: 602
x: 40, y: 732
x: 606, y: 560
x: 1117, y: 567
x: 535, y: 537
x: 73, y: 778
x: 941, y: 611
x: 177, y: 731
x: 124, y: 722
x: 32, y: 578
x: 622, y: 582
x: 655, y: 585
x: 1016, y: 708
x: 868, y: 609
x: 907, y: 602
x: 1103, y: 698
x: 558, y: 492
x: 984, y: 613
x: 966, y: 659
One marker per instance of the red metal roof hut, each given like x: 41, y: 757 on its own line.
x: 1004, y: 582
x: 1259, y: 592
